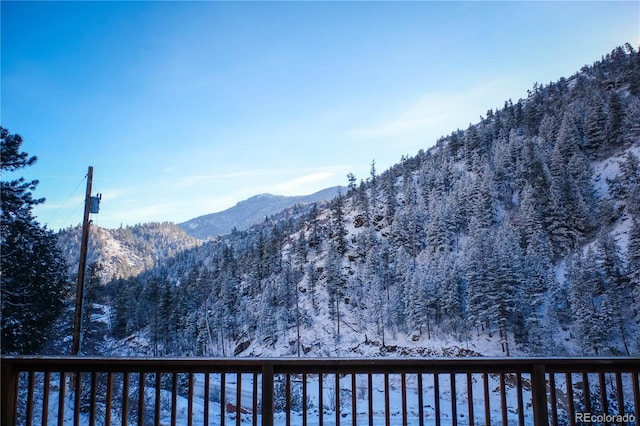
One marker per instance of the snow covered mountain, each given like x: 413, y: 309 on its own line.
x: 125, y: 252
x: 519, y: 235
x: 249, y: 212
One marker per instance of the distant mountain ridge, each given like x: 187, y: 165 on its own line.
x: 126, y: 252
x: 250, y: 212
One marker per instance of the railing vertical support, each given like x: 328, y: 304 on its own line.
x: 9, y: 394
x: 370, y: 397
x: 304, y: 399
x: 255, y: 400
x: 337, y: 396
x: 61, y: 398
x: 141, y: 398
x: 31, y: 386
x: 267, y: 394
x: 45, y: 399
x: 636, y: 392
x: 238, y: 398
x: 539, y: 395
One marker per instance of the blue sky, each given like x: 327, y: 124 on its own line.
x: 185, y: 108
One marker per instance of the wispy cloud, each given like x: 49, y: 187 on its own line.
x: 430, y: 116
x: 307, y: 183
x: 416, y: 118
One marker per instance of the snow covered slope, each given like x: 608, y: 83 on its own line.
x: 125, y: 252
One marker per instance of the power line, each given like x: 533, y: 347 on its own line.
x: 63, y: 205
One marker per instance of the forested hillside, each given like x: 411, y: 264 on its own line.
x: 518, y: 235
x: 126, y: 251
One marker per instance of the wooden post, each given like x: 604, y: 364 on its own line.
x: 77, y: 319
x: 267, y: 394
x: 9, y: 393
x: 539, y: 395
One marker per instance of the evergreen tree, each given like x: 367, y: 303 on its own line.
x: 616, y: 285
x: 572, y: 198
x: 93, y: 330
x: 34, y: 277
x: 352, y: 183
x: 312, y: 279
x: 478, y: 249
x: 537, y: 282
x: 374, y: 276
x: 336, y: 285
x: 615, y: 120
x: 595, y: 126
x: 338, y: 226
x: 268, y: 314
x: 626, y: 185
x: 504, y: 285
x: 590, y: 309
x: 473, y: 149
x: 420, y: 298
x: 481, y: 201
x: 450, y: 295
x: 390, y: 193
x: 548, y: 129
x: 437, y: 237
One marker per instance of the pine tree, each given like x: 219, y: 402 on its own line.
x: 595, y: 125
x: 473, y: 149
x: 450, y: 297
x: 626, y: 185
x: 312, y: 279
x: 437, y: 233
x: 504, y: 291
x: 34, y: 275
x: 352, y: 183
x: 481, y: 201
x: 420, y: 298
x: 537, y: 282
x: 591, y: 310
x: 548, y: 129
x: 617, y: 288
x: 93, y: 331
x: 615, y: 121
x: 268, y: 314
x: 476, y: 272
x: 338, y: 226
x: 336, y: 285
x: 389, y: 193
x: 572, y: 198
x: 375, y: 292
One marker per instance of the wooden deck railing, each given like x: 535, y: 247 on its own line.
x: 459, y: 391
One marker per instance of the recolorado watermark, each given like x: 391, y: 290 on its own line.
x: 604, y: 418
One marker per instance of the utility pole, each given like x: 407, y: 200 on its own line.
x: 77, y: 319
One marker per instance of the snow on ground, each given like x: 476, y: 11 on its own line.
x: 606, y: 170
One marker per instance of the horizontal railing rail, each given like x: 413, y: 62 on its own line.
x: 345, y: 391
